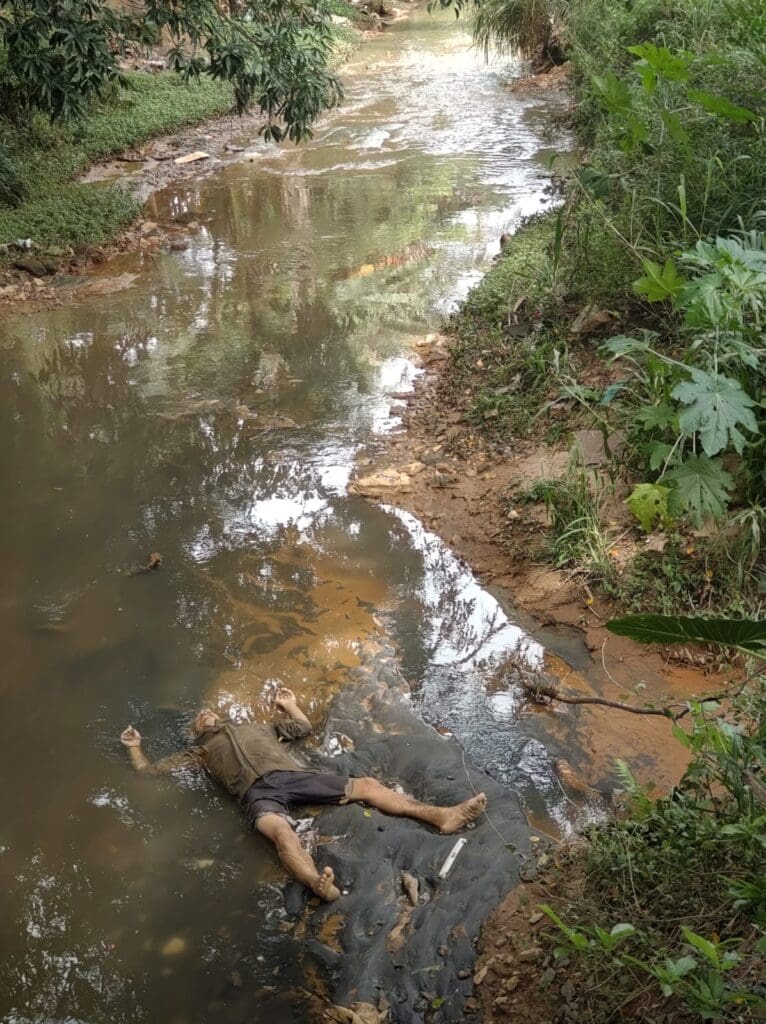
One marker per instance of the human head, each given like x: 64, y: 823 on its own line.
x: 205, y: 719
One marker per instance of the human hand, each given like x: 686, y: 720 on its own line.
x: 130, y: 737
x: 285, y: 699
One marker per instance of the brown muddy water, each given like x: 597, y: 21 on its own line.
x: 212, y: 412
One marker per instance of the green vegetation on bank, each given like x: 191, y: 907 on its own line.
x: 637, y: 308
x: 636, y: 311
x: 665, y: 914
x: 41, y: 158
x: 47, y: 158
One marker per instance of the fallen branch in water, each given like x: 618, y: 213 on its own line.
x: 538, y: 690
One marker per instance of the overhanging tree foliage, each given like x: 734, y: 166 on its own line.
x: 58, y: 55
x: 530, y: 27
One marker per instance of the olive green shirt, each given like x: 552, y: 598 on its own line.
x: 237, y: 755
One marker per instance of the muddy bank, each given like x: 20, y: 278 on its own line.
x: 461, y: 485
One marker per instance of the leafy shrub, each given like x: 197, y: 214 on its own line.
x: 13, y: 187
x: 683, y: 876
x: 59, y: 58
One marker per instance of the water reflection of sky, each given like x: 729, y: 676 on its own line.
x: 140, y: 422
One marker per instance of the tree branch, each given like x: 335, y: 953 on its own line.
x: 538, y: 690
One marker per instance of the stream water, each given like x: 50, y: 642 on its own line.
x: 212, y: 411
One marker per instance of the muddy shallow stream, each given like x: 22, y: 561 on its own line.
x: 212, y: 411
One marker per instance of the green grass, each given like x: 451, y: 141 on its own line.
x: 56, y: 210
x: 343, y: 9
x: 501, y: 356
x: 60, y: 212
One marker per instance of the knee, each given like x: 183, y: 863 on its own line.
x: 275, y: 828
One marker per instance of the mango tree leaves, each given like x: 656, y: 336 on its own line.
x: 718, y: 406
x: 701, y: 488
x: 649, y: 504
x: 747, y: 634
x: 59, y: 57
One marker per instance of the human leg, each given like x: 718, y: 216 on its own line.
x: 446, y: 819
x: 296, y: 860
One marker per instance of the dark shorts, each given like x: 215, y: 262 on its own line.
x: 278, y: 792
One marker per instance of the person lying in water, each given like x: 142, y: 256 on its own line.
x: 250, y: 760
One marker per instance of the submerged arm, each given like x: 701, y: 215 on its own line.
x: 131, y: 740
x: 297, y: 723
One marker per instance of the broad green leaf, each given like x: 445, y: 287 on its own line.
x: 718, y: 405
x: 611, y: 391
x: 596, y: 182
x: 658, y: 453
x: 701, y: 488
x: 437, y: 1002
x: 683, y: 965
x: 614, y: 93
x: 652, y: 416
x: 623, y: 345
x: 649, y: 504
x: 622, y: 930
x: 673, y: 67
x: 702, y: 301
x: 705, y: 947
x: 747, y: 634
x: 680, y: 735
x: 658, y: 283
x: 721, y: 106
x: 674, y: 127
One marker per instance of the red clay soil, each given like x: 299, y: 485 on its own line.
x: 457, y: 482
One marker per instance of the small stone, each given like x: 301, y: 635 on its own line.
x: 173, y: 946
x: 148, y: 228
x: 533, y: 953
x: 463, y: 975
x: 51, y: 264
x: 480, y: 975
x: 500, y: 1002
x: 236, y: 979
x: 568, y: 991
x: 500, y: 941
x: 534, y: 918
x: 31, y: 265
x: 512, y: 983
x: 442, y: 950
x: 471, y: 1005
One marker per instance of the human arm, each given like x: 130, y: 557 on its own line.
x: 297, y: 723
x: 131, y: 740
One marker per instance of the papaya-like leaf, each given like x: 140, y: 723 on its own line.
x: 658, y: 283
x: 649, y: 504
x: 718, y: 406
x: 701, y: 488
x: 721, y: 106
x: 671, y: 66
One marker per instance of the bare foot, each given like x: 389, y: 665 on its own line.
x: 463, y: 814
x: 324, y: 887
